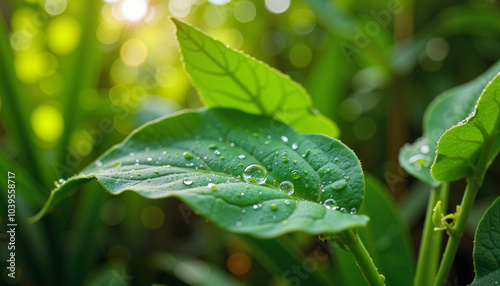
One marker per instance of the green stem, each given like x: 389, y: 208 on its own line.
x: 457, y: 231
x: 428, y: 256
x: 363, y: 259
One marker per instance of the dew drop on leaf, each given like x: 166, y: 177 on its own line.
x: 151, y: 159
x: 238, y: 224
x: 287, y: 187
x: 187, y: 181
x: 274, y: 207
x: 330, y: 204
x: 255, y: 174
x: 295, y: 174
x: 295, y: 146
x: 241, y: 156
x: 354, y: 211
x: 339, y: 185
x: 284, y: 139
x: 287, y: 202
x: 255, y: 207
x: 217, y: 152
x: 186, y: 155
x: 212, y: 186
x: 98, y: 163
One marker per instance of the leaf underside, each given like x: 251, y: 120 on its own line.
x: 460, y: 148
x: 487, y: 247
x: 227, y: 78
x: 181, y: 155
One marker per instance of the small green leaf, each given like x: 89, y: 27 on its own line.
x: 473, y: 143
x: 230, y: 167
x: 417, y: 159
x: 227, y: 78
x: 487, y: 247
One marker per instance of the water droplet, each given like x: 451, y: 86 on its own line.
x: 285, y: 159
x: 98, y: 163
x: 241, y: 156
x: 336, y: 159
x: 267, y: 142
x: 187, y: 155
x: 213, y: 186
x: 255, y: 207
x: 151, y: 159
x: 156, y: 172
x: 295, y: 146
x: 339, y: 185
x: 268, y: 137
x: 354, y: 211
x: 187, y: 181
x: 232, y: 144
x: 425, y: 149
x: 243, y: 211
x: 287, y: 202
x: 285, y: 222
x: 328, y: 170
x: 222, y: 157
x: 238, y: 223
x: 343, y: 210
x: 242, y: 194
x: 284, y: 139
x: 255, y: 174
x: 117, y: 165
x: 274, y: 207
x: 217, y: 152
x: 295, y: 174
x: 347, y: 177
x: 164, y: 152
x: 330, y: 203
x: 287, y: 187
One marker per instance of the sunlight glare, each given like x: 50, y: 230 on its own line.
x: 134, y: 10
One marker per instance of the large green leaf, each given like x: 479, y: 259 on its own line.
x: 200, y: 157
x: 386, y: 238
x: 444, y: 112
x: 473, y: 142
x: 227, y: 78
x: 487, y: 247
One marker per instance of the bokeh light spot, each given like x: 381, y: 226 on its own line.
x: 63, y: 34
x: 215, y: 16
x: 122, y: 73
x: 119, y: 95
x: 233, y: 38
x: 219, y: 2
x: 108, y: 34
x: 55, y: 7
x: 133, y: 10
x: 277, y: 6
x: 47, y: 123
x: 152, y: 217
x: 364, y: 128
x: 239, y: 263
x: 300, y: 55
x: 45, y: 64
x: 26, y: 67
x: 113, y: 211
x: 179, y: 8
x: 244, y: 11
x: 302, y: 21
x: 133, y: 52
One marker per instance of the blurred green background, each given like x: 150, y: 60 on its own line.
x: 78, y: 76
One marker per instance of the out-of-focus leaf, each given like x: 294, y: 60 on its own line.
x: 472, y: 18
x: 108, y: 275
x: 191, y: 270
x: 230, y: 79
x: 228, y: 166
x: 417, y: 160
x: 487, y: 247
x: 472, y: 143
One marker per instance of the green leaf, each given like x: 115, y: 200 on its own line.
x: 200, y: 157
x: 386, y: 238
x: 471, y: 145
x: 487, y: 247
x: 417, y: 159
x: 192, y: 271
x: 227, y: 78
x: 444, y: 112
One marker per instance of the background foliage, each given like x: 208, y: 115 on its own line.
x: 78, y: 76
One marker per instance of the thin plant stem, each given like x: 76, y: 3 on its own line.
x: 363, y: 259
x: 428, y: 256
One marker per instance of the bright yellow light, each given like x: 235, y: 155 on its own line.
x: 133, y: 10
x: 63, y: 34
x: 133, y: 52
x: 47, y: 123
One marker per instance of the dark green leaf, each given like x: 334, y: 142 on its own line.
x: 191, y: 270
x: 472, y: 143
x: 200, y: 157
x: 230, y: 79
x: 487, y: 247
